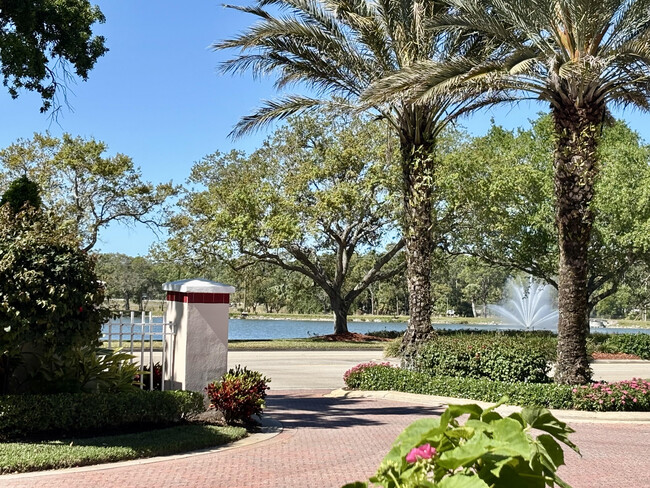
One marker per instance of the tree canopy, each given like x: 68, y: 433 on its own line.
x: 501, y: 186
x: 339, y: 49
x: 43, y: 41
x: 314, y: 196
x: 88, y: 189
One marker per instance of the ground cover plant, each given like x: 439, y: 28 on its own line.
x: 615, y: 396
x: 488, y: 450
x: 239, y: 394
x: 19, y: 457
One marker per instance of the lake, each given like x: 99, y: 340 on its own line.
x: 247, y: 329
x: 260, y: 329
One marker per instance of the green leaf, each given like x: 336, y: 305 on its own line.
x: 509, y: 438
x: 462, y: 481
x: 543, y: 419
x: 467, y: 453
x: 550, y: 450
x: 356, y: 484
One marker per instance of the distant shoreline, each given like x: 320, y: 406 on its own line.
x: 474, y: 321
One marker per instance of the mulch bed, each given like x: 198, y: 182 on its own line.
x: 351, y: 337
x: 610, y: 355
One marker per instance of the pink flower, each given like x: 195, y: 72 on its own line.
x: 425, y: 451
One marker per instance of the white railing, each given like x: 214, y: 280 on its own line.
x: 146, y: 341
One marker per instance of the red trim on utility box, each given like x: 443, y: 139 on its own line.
x: 177, y: 296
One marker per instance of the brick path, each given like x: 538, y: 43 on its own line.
x: 327, y: 442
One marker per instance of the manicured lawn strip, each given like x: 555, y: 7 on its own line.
x: 634, y: 324
x: 319, y: 317
x: 302, y: 344
x: 20, y: 457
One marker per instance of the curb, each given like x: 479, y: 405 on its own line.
x: 270, y: 428
x: 573, y: 416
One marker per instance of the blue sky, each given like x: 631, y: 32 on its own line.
x: 157, y: 96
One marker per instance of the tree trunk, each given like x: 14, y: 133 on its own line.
x: 340, y: 310
x: 417, y: 171
x: 574, y: 173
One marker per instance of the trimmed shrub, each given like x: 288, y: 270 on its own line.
x: 352, y: 376
x: 497, y: 356
x: 382, y: 377
x: 386, y: 334
x: 637, y: 344
x: 631, y: 395
x: 239, y: 394
x: 50, y: 297
x: 74, y: 414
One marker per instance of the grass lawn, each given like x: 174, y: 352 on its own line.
x: 20, y: 457
x: 304, y: 344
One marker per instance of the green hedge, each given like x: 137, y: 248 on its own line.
x: 637, y: 344
x: 380, y: 377
x: 629, y: 395
x: 68, y: 414
x: 496, y: 356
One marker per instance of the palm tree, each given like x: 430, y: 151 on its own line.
x: 580, y: 57
x: 338, y: 48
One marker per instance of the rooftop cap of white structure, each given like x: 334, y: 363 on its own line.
x: 198, y: 285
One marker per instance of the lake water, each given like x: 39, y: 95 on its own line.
x: 249, y: 329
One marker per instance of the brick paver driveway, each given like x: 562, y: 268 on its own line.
x: 327, y: 442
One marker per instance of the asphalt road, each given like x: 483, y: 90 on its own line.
x: 292, y: 370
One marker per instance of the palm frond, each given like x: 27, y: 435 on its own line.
x: 284, y: 107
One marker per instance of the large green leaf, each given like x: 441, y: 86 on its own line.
x: 550, y: 452
x: 543, y: 419
x: 509, y: 438
x: 462, y: 481
x: 467, y: 453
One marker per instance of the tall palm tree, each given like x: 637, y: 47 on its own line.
x: 338, y: 48
x: 579, y: 56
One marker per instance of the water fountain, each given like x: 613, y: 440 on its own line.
x: 529, y: 306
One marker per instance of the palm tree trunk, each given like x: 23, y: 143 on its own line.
x: 575, y: 170
x: 417, y: 170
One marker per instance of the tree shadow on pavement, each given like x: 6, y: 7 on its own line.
x: 295, y: 410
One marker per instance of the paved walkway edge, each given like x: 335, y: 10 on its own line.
x: 269, y: 429
x: 438, y: 401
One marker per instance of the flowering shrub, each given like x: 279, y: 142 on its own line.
x: 352, y: 376
x: 487, y: 451
x: 239, y: 394
x: 631, y: 394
